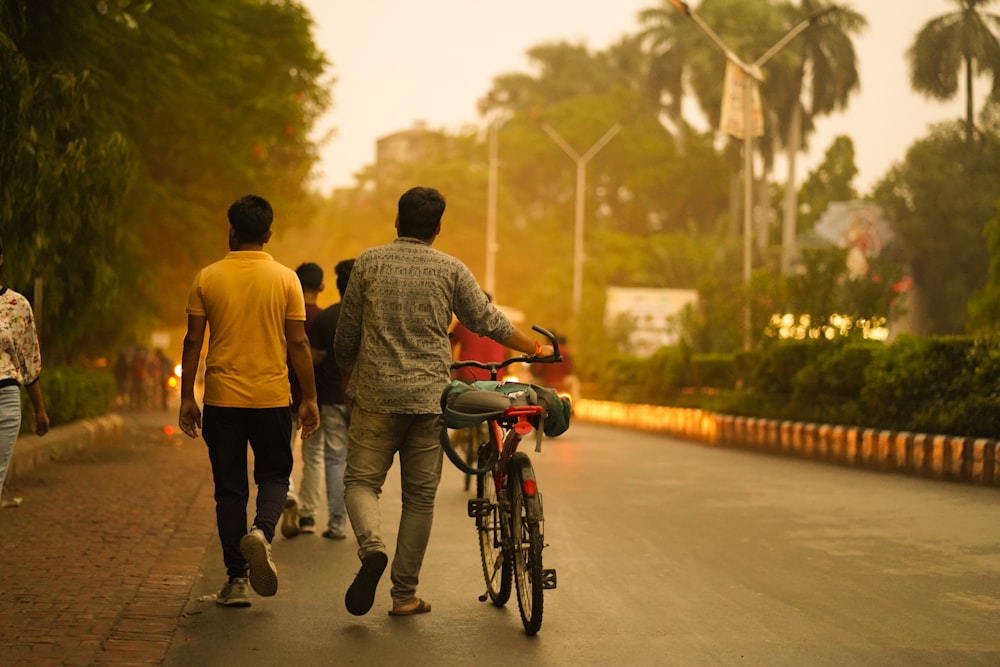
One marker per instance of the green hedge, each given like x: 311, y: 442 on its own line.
x: 943, y: 385
x: 71, y: 394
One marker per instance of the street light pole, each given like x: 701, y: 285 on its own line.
x: 748, y: 83
x: 751, y: 74
x: 491, y: 208
x: 581, y: 181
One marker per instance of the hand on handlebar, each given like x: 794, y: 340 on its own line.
x: 543, y: 351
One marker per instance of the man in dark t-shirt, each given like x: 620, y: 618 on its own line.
x: 299, y: 513
x: 334, y: 415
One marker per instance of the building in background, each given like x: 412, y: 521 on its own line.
x: 400, y: 148
x: 649, y: 314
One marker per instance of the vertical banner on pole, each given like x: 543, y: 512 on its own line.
x: 731, y: 119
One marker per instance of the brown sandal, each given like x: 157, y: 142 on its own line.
x: 421, y: 608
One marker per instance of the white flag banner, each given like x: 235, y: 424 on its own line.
x: 732, y: 117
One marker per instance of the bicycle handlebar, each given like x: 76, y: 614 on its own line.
x: 494, y: 366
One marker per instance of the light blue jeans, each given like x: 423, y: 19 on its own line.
x: 373, y: 442
x: 10, y: 424
x: 334, y: 420
x: 312, y: 472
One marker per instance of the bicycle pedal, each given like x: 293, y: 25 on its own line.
x: 548, y: 580
x: 479, y: 507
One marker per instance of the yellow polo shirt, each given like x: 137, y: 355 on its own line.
x: 246, y: 298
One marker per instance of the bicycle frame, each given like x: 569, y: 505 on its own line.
x: 506, y: 433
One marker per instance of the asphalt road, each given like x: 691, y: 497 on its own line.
x: 667, y: 553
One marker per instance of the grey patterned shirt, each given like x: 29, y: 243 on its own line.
x: 392, y: 336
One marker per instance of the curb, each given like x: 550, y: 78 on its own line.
x: 32, y: 452
x: 941, y: 457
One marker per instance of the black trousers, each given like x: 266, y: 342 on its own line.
x: 227, y: 432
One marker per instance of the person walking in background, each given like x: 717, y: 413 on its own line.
x: 467, y: 345
x: 122, y: 369
x: 334, y: 416
x: 166, y: 371
x: 299, y: 514
x: 20, y: 366
x: 255, y: 314
x: 138, y: 386
x: 561, y: 375
x: 392, y: 346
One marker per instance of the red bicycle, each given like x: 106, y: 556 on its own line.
x: 508, y: 505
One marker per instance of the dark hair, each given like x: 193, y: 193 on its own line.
x: 420, y: 211
x: 251, y: 218
x: 343, y: 271
x: 310, y: 275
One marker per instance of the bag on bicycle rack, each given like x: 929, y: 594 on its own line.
x: 465, y: 405
x: 487, y: 399
x: 557, y: 411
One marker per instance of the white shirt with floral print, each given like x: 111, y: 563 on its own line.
x: 20, y: 357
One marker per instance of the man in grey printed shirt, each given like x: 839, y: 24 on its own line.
x: 392, y: 347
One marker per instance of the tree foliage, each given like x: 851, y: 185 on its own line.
x: 831, y: 181
x: 939, y: 201
x: 128, y: 128
x: 964, y: 41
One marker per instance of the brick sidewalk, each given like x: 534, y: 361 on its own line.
x: 100, y: 558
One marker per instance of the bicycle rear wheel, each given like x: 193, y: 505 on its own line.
x: 527, y: 540
x: 492, y: 528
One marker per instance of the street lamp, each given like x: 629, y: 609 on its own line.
x: 751, y: 75
x: 581, y: 178
x: 491, y: 206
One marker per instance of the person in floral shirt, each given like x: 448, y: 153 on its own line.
x: 20, y: 366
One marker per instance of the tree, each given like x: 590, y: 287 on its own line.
x: 127, y: 128
x: 984, y: 305
x: 939, y: 200
x: 639, y: 185
x: 964, y: 40
x: 827, y: 63
x: 64, y: 164
x: 749, y: 30
x: 667, y: 35
x: 651, y: 211
x: 831, y: 181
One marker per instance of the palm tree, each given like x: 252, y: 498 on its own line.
x: 821, y: 58
x: 962, y: 40
x: 667, y: 37
x: 826, y: 65
x: 683, y: 61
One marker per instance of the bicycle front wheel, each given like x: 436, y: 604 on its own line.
x: 527, y: 540
x: 492, y: 528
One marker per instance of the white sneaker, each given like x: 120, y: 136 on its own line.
x: 263, y: 573
x: 234, y: 593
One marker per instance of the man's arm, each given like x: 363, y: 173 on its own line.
x: 301, y: 358
x: 522, y: 342
x: 190, y: 415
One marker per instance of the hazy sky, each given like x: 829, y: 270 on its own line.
x: 400, y: 62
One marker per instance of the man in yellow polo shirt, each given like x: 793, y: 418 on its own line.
x: 255, y: 314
